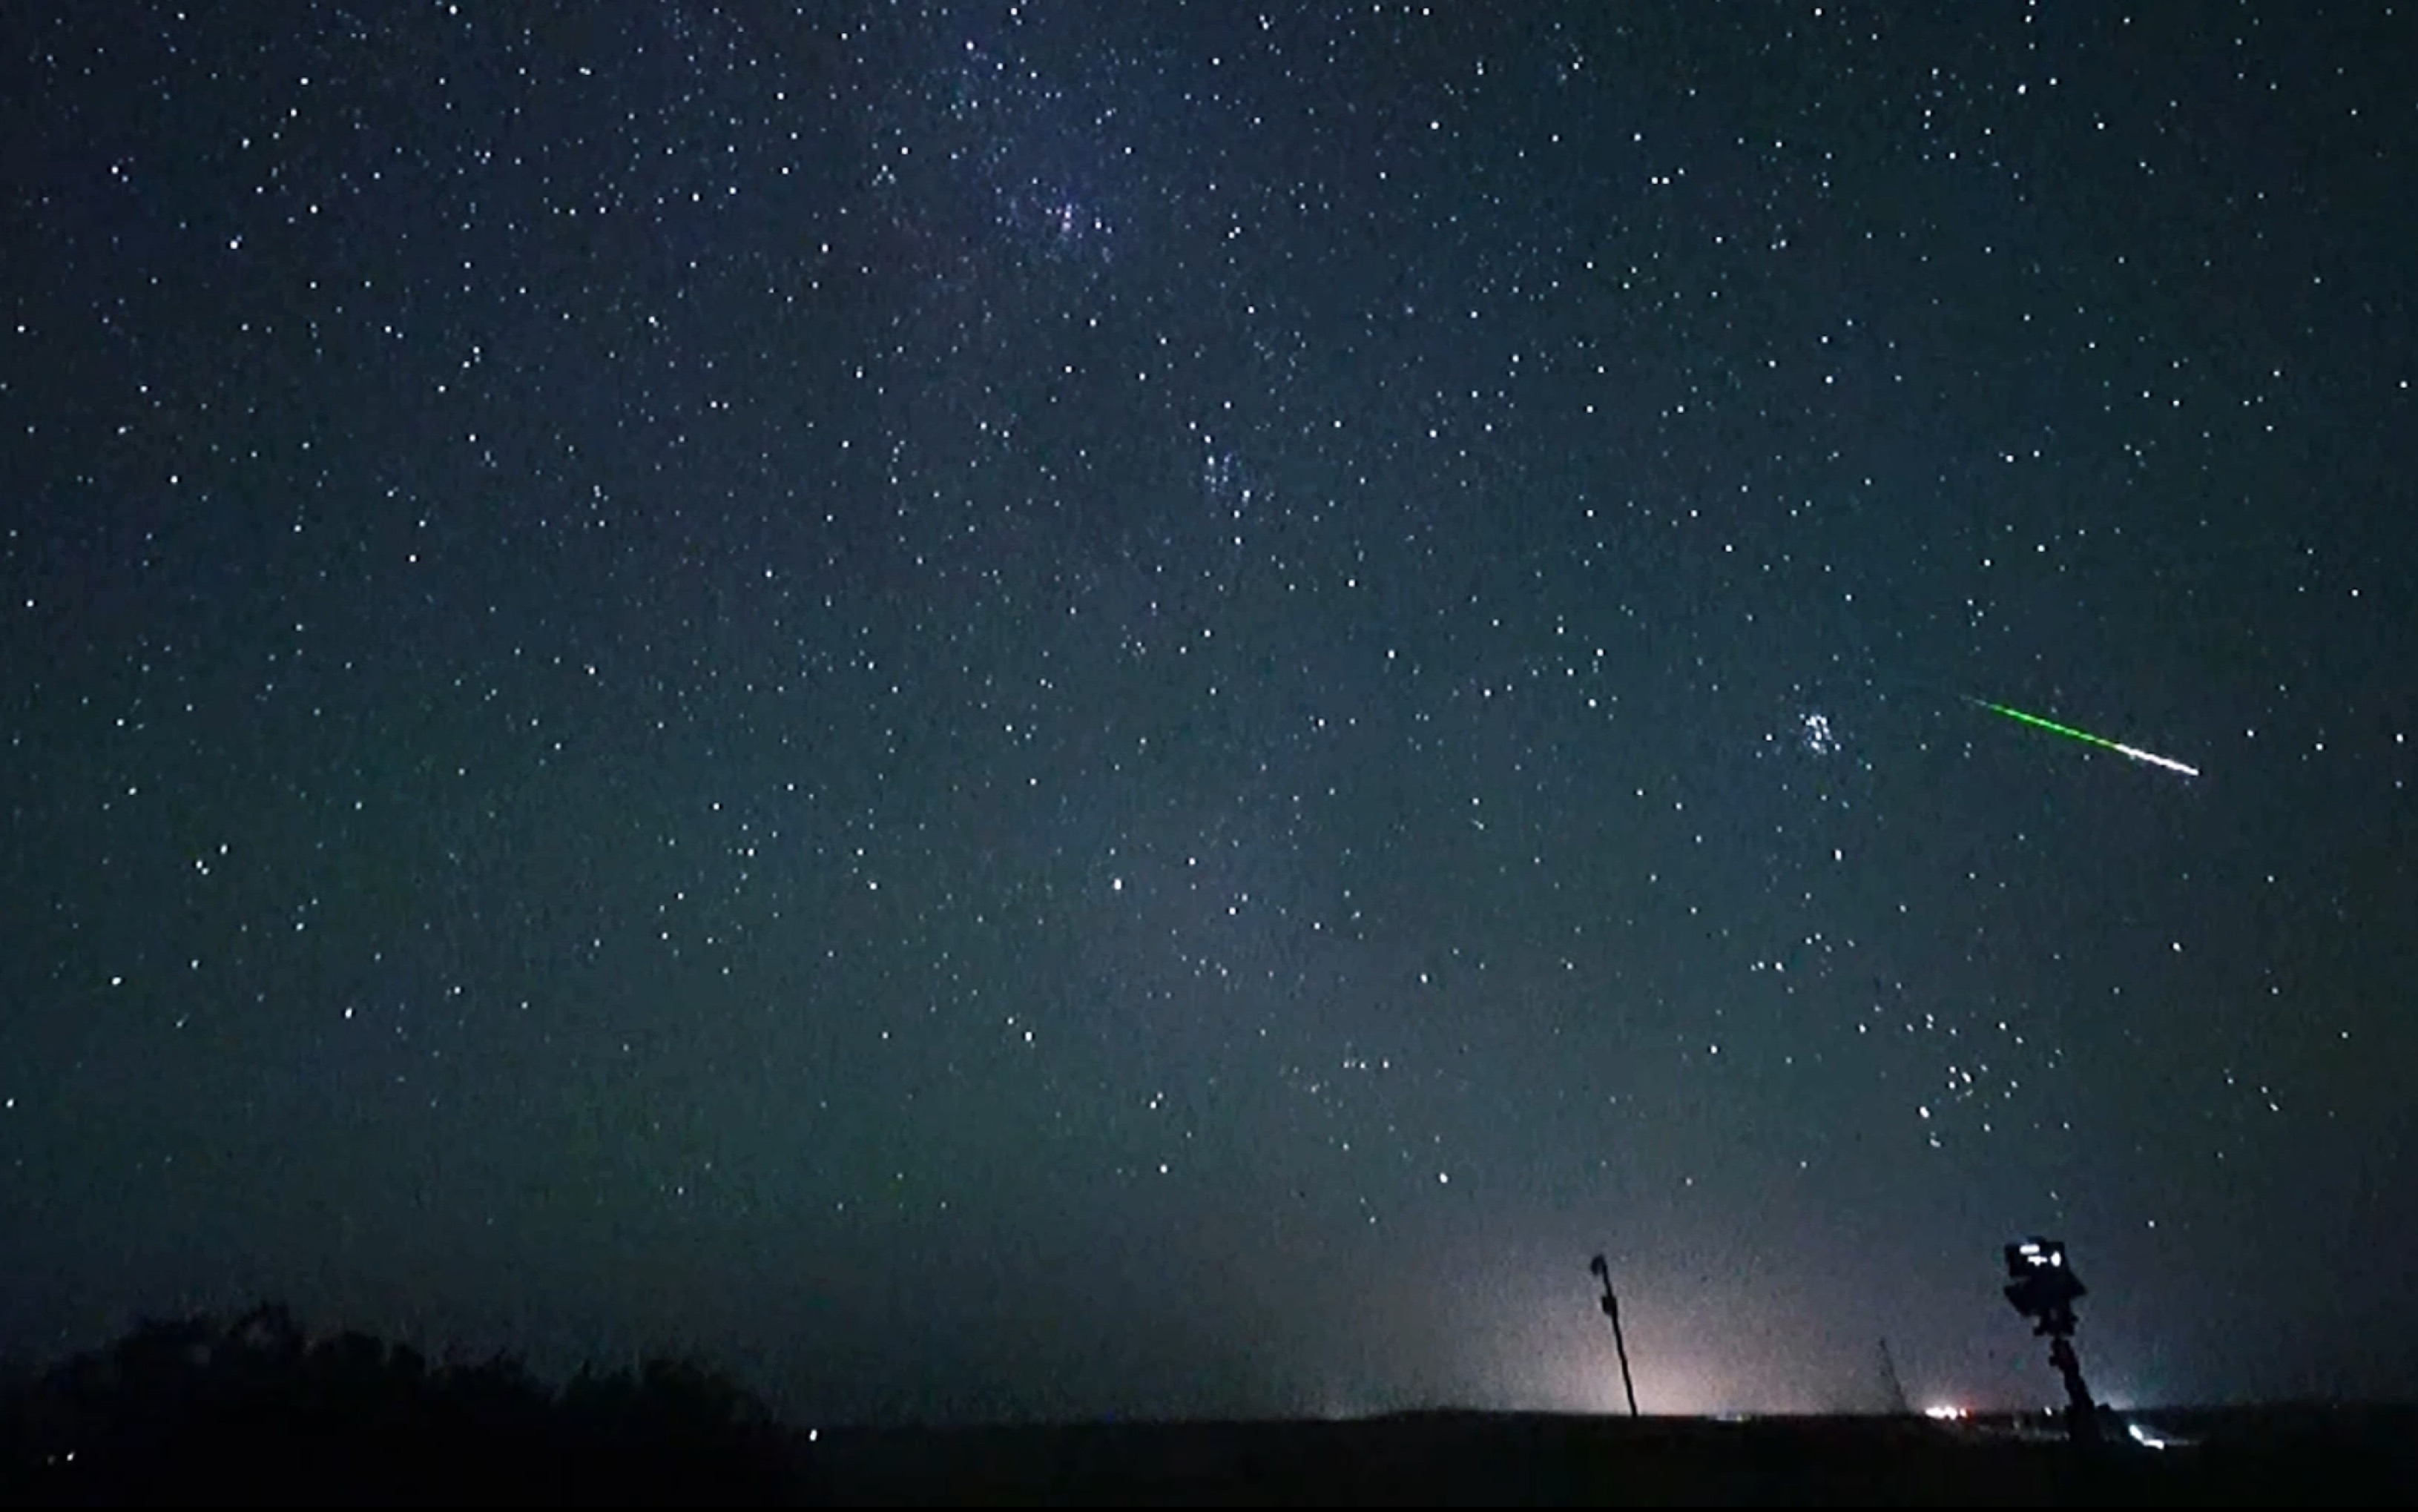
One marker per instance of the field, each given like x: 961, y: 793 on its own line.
x: 2231, y: 1456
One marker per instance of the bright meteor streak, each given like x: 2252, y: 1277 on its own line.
x: 2150, y: 757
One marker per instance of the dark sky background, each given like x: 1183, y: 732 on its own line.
x: 1030, y: 711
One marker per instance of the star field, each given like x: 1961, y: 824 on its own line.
x: 1017, y: 710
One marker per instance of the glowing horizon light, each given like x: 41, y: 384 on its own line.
x: 1945, y: 1414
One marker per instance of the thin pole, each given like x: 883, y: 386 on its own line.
x: 1612, y: 1310
x: 1891, y: 1385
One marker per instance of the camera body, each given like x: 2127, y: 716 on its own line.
x: 2043, y: 1287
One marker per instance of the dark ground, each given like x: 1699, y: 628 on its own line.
x: 2237, y: 1456
x: 2332, y: 1456
x: 257, y: 1410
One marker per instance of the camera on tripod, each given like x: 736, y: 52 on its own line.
x: 2043, y: 1287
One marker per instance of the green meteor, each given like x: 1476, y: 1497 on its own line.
x: 2150, y: 757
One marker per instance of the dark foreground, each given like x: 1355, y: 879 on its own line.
x: 257, y: 1411
x: 2235, y: 1456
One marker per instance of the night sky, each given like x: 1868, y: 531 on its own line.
x: 1074, y: 709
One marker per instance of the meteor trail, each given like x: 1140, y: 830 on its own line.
x: 2150, y: 757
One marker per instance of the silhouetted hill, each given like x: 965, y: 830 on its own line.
x: 255, y: 1411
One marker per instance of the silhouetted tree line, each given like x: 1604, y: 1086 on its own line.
x: 254, y: 1411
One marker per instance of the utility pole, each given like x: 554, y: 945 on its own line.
x: 1603, y: 1272
x: 1891, y: 1390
